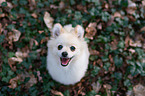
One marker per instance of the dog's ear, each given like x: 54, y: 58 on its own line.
x: 57, y: 29
x: 79, y: 30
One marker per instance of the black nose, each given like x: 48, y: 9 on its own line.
x: 64, y: 54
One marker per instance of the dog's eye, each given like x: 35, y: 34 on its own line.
x: 72, y: 48
x: 60, y: 47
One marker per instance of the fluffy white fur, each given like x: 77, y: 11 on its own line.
x: 67, y: 36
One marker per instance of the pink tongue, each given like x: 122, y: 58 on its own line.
x: 64, y: 61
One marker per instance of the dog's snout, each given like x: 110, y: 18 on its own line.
x: 64, y: 54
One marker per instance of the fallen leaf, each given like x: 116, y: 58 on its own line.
x: 110, y: 22
x: 34, y: 15
x: 1, y: 1
x: 32, y: 80
x: 44, y: 40
x: 61, y: 5
x: 114, y: 44
x: 16, y: 35
x: 33, y: 41
x: 142, y: 29
x: 53, y: 6
x: 143, y: 2
x: 10, y: 6
x: 33, y: 2
x: 56, y: 93
x: 100, y: 62
x: 117, y: 14
x: 21, y: 77
x: 107, y: 87
x: 48, y: 20
x: 2, y: 15
x: 1, y: 29
x: 20, y: 54
x: 94, y: 52
x: 13, y: 82
x: 99, y: 26
x: 39, y: 77
x: 135, y: 44
x: 111, y: 58
x: 139, y: 90
x: 131, y: 18
x: 40, y: 32
x: 96, y: 87
x: 91, y: 30
x: 131, y: 7
x: 106, y: 6
x: 143, y: 46
x: 129, y: 93
x: 132, y: 50
x: 13, y: 60
x: 127, y: 39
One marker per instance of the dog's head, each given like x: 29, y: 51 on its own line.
x: 66, y: 42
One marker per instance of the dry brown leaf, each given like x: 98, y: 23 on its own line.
x: 96, y: 87
x: 21, y: 77
x: 20, y: 54
x: 33, y: 2
x: 34, y: 15
x: 99, y: 61
x: 131, y: 18
x: 127, y: 39
x: 33, y: 41
x: 129, y: 93
x: 99, y: 26
x: 39, y: 77
x: 117, y: 14
x: 1, y: 1
x: 106, y: 6
x: 94, y: 52
x: 111, y: 58
x: 139, y: 90
x: 142, y: 29
x: 91, y: 30
x: 143, y: 46
x: 19, y: 58
x: 53, y: 6
x: 61, y: 5
x: 1, y: 29
x: 131, y: 7
x: 13, y: 82
x: 2, y: 15
x: 114, y: 44
x: 32, y: 80
x: 16, y: 35
x: 13, y: 60
x: 132, y: 50
x: 40, y: 32
x: 56, y: 93
x: 48, y: 20
x: 143, y: 2
x: 107, y: 87
x: 135, y: 44
x: 10, y: 6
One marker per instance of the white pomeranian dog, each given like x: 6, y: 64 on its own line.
x: 68, y: 55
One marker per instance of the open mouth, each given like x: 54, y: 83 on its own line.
x: 65, y: 61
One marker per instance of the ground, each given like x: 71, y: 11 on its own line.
x: 114, y: 30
